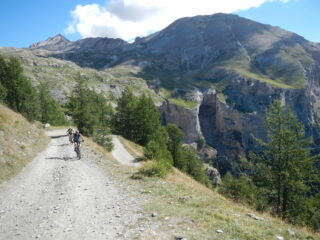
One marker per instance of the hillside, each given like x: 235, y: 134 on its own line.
x: 60, y: 75
x: 20, y: 141
x: 183, y: 207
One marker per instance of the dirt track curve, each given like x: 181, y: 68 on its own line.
x: 59, y: 197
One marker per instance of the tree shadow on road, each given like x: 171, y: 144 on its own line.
x: 60, y: 158
x: 63, y: 144
x: 58, y: 136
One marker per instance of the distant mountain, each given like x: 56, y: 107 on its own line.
x: 217, y: 74
x: 55, y: 43
x: 60, y: 43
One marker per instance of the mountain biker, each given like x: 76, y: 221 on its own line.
x: 76, y: 139
x: 70, y: 134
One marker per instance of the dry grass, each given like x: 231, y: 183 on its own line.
x: 133, y: 148
x: 97, y: 149
x: 20, y: 142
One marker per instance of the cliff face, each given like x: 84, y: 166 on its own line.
x: 231, y: 126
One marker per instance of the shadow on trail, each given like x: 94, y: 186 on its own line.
x: 58, y: 136
x: 63, y: 144
x: 139, y: 159
x: 59, y: 158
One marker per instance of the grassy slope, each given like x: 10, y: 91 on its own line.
x: 20, y: 141
x: 187, y: 208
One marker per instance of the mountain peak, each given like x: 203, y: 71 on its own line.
x: 52, y: 43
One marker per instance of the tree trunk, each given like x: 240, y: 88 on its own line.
x: 284, y: 202
x: 278, y: 195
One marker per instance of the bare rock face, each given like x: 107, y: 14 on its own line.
x: 186, y: 119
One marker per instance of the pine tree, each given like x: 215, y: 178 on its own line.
x: 157, y: 149
x: 195, y: 166
x: 147, y: 119
x: 124, y: 121
x: 90, y: 111
x: 3, y: 92
x: 175, y: 146
x: 3, y: 73
x: 17, y: 90
x: 288, y: 164
x: 51, y: 111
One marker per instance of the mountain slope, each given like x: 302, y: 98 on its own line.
x: 200, y: 48
x: 60, y: 75
x: 180, y: 206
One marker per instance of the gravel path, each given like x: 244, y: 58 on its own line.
x: 121, y: 154
x: 59, y: 197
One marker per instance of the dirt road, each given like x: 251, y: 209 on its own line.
x: 59, y: 197
x: 122, y: 155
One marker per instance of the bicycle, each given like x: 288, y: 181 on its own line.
x: 77, y: 150
x: 70, y: 138
x: 70, y: 135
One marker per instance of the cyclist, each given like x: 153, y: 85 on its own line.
x: 70, y: 134
x: 77, y: 140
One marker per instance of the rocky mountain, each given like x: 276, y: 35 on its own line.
x: 215, y: 75
x: 60, y: 43
x: 53, y: 43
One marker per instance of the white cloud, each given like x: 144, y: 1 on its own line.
x: 130, y: 18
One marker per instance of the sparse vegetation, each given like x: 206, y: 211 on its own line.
x: 20, y: 141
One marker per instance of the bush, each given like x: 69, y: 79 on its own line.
x: 241, y: 190
x: 103, y: 137
x: 315, y: 221
x: 153, y: 169
x: 3, y: 92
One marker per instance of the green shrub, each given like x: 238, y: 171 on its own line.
x: 3, y: 92
x: 103, y: 137
x: 239, y: 189
x: 154, y: 169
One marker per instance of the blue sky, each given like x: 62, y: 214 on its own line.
x: 299, y: 16
x: 25, y: 22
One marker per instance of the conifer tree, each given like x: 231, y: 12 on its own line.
x: 3, y: 93
x: 51, y: 111
x: 157, y: 149
x: 90, y: 110
x: 124, y: 121
x: 147, y: 119
x: 288, y: 164
x: 195, y: 166
x: 175, y: 146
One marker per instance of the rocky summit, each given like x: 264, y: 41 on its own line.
x: 214, y: 76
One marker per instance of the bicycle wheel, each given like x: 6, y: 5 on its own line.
x: 78, y: 152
